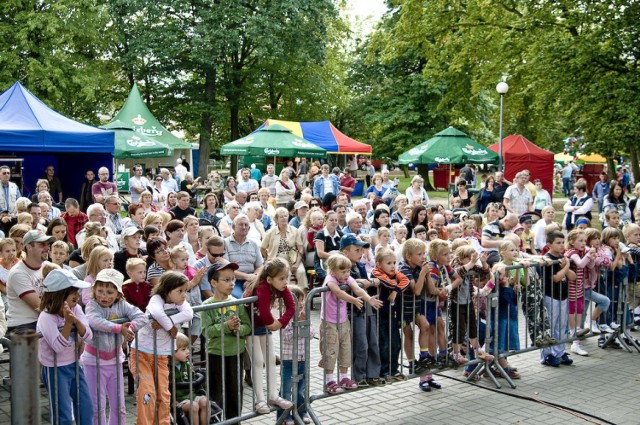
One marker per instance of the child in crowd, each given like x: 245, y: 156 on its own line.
x: 384, y: 236
x: 583, y: 223
x: 103, y: 354
x: 8, y: 259
x: 335, y: 330
x: 180, y: 260
x: 100, y: 258
x: 226, y: 329
x: 448, y: 217
x: 556, y: 293
x: 169, y: 293
x: 62, y: 376
x: 368, y: 259
x: 580, y: 260
x: 631, y: 234
x: 611, y: 219
x: 366, y: 350
x: 26, y: 219
x: 136, y: 289
x: 400, y: 230
x: 131, y: 241
x: 287, y: 359
x: 550, y: 228
x: 510, y: 281
x: 454, y: 231
x: 194, y: 407
x: 456, y: 202
x: 60, y: 254
x: 592, y: 289
x: 150, y: 233
x: 204, y: 234
x: 429, y: 235
x: 469, y: 234
x: 617, y: 272
x: 527, y: 237
x: 316, y: 220
x: 271, y: 285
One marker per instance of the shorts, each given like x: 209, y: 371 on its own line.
x: 433, y: 312
x: 462, y: 321
x: 411, y: 312
x: 335, y: 344
x: 576, y: 306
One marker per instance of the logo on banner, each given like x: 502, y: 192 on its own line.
x: 418, y: 151
x: 139, y: 120
x: 440, y: 159
x: 269, y: 151
x: 137, y: 142
x: 301, y: 144
x: 470, y: 150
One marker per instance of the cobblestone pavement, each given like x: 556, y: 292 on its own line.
x: 601, y: 387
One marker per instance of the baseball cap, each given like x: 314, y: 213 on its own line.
x: 220, y: 265
x: 130, y: 231
x: 59, y: 279
x: 111, y: 276
x: 300, y: 204
x: 351, y: 239
x: 525, y: 218
x: 37, y: 236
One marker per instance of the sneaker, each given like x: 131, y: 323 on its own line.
x: 433, y: 384
x: 480, y: 354
x: 363, y: 383
x: 595, y: 329
x: 614, y: 326
x: 605, y: 328
x: 427, y: 361
x: 577, y: 349
x: 565, y: 360
x: 262, y: 408
x: 348, y: 384
x: 280, y: 402
x: 334, y: 388
x: 582, y: 332
x: 601, y: 341
x: 441, y: 361
x: 550, y: 360
x: 424, y: 386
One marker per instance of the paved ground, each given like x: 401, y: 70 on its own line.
x: 601, y: 388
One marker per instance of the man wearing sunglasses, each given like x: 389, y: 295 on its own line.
x: 10, y: 192
x: 215, y: 253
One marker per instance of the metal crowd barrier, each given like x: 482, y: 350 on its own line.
x: 495, y: 326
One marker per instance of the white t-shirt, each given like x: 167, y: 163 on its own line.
x: 22, y: 280
x: 139, y: 182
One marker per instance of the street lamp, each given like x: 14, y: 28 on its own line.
x: 502, y: 88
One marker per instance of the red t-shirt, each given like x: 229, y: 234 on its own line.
x: 137, y: 294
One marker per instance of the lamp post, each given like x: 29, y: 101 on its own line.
x: 502, y: 88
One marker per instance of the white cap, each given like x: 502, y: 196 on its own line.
x: 111, y: 276
x: 59, y: 279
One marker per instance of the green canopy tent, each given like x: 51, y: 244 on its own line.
x: 274, y: 140
x: 129, y: 144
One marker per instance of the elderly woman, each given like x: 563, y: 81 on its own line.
x: 354, y: 224
x: 53, y: 211
x: 285, y: 242
x: 225, y: 225
x: 146, y: 200
x: 264, y: 196
x: 136, y: 217
x: 256, y: 230
x: 417, y: 191
x: 285, y: 188
x: 400, y: 215
x: 210, y: 210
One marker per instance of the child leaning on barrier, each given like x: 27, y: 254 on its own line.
x: 617, y: 272
x: 63, y: 378
x: 226, y: 328
x: 335, y: 330
x: 270, y: 285
x: 592, y: 292
x: 153, y: 346
x: 103, y: 353
x: 287, y: 359
x: 631, y: 234
x: 193, y: 405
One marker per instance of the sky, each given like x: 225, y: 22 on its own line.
x: 367, y: 12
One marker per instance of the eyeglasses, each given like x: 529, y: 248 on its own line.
x: 216, y: 254
x: 314, y: 205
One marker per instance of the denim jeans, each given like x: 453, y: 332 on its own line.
x: 66, y: 408
x: 285, y: 389
x: 566, y: 186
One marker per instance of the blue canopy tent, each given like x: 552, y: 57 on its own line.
x: 31, y: 130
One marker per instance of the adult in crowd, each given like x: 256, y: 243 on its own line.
x: 36, y: 213
x: 325, y: 183
x: 263, y: 197
x: 181, y: 170
x: 303, y: 169
x: 387, y: 183
x: 103, y: 187
x: 246, y: 183
x: 285, y: 189
x: 380, y: 220
x: 486, y: 195
x: 216, y: 184
x: 244, y: 252
x: 361, y: 208
x: 256, y: 174
x: 215, y: 253
x: 168, y: 182
x: 137, y: 184
x: 567, y: 177
x: 211, y: 212
x: 42, y: 185
x: 353, y: 166
x: 269, y: 180
x: 74, y: 218
x: 625, y: 179
x: 55, y: 186
x: 10, y: 192
x: 417, y: 191
x: 418, y: 218
x: 493, y: 235
x: 341, y: 210
x: 347, y: 183
x: 253, y: 212
x: 160, y: 259
x: 159, y: 193
x: 354, y: 224
x: 466, y: 173
x: 153, y: 219
x: 182, y: 208
x: 601, y: 190
x: 399, y: 215
x: 285, y: 242
x: 231, y: 190
x: 617, y: 200
x: 189, y: 184
x: 58, y: 229
x: 376, y: 190
x: 146, y: 202
x: 232, y: 210
x: 24, y: 283
x: 542, y: 198
x: 500, y: 187
x: 53, y: 210
x: 371, y: 171
x: 97, y: 214
x: 241, y: 199
x: 174, y: 233
x: 131, y: 241
x: 327, y: 240
x: 192, y: 227
x: 301, y: 209
x: 86, y: 197
x: 112, y: 207
x: 468, y: 200
x: 135, y: 217
x: 634, y: 206
x: 517, y: 199
x: 172, y: 201
x: 540, y: 237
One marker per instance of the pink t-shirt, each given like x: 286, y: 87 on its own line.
x: 332, y: 309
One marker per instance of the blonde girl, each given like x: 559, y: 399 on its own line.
x: 8, y: 259
x: 204, y: 234
x: 271, y: 285
x: 152, y: 219
x: 179, y: 258
x: 581, y: 259
x: 191, y: 227
x: 169, y: 293
x: 100, y: 258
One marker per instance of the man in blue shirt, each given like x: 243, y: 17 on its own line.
x: 601, y: 190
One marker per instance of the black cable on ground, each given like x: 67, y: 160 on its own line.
x: 572, y: 411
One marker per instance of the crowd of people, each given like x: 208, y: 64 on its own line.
x: 411, y: 267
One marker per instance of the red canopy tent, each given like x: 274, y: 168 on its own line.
x: 519, y: 154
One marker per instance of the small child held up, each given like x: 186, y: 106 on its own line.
x: 335, y: 330
x: 195, y: 407
x: 107, y: 304
x: 136, y: 289
x: 60, y: 313
x: 8, y: 259
x: 169, y: 293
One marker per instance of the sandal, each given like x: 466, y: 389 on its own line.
x: 334, y: 388
x: 262, y: 408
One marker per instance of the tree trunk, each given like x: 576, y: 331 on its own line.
x: 206, y: 124
x: 423, y: 170
x: 611, y: 168
x: 635, y: 168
